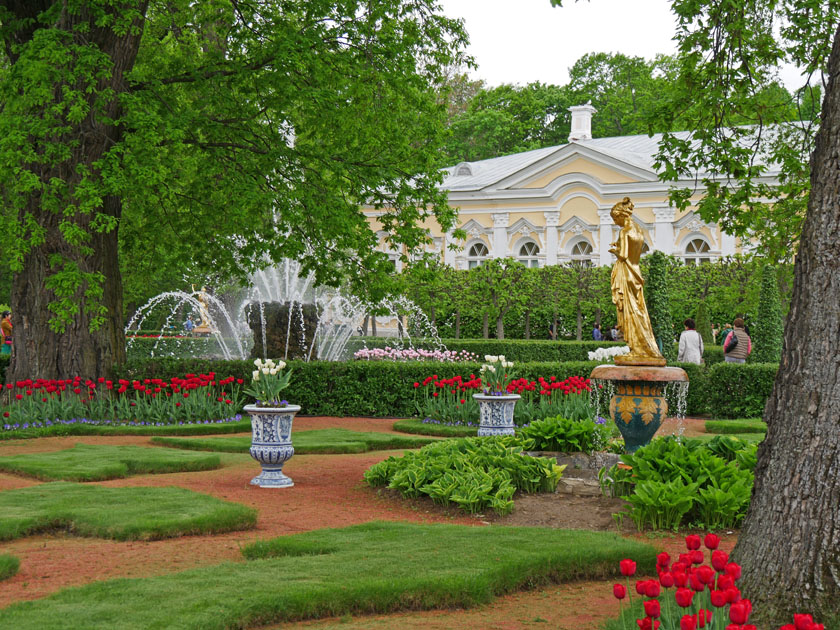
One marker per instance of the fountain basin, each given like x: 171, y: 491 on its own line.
x: 638, y: 406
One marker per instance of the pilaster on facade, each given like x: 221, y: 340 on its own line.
x: 552, y: 220
x: 501, y: 220
x: 727, y: 244
x: 663, y: 238
x: 605, y: 237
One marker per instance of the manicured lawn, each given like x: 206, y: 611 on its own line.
x: 752, y: 425
x: 9, y: 565
x: 119, y: 513
x: 431, y: 428
x: 85, y: 462
x: 319, y: 441
x: 79, y: 428
x: 371, y: 568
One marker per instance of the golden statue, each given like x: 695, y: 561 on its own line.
x: 628, y: 291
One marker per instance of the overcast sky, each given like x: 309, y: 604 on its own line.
x: 521, y: 41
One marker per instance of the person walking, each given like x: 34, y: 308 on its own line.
x: 724, y: 333
x: 596, y: 333
x: 691, y: 344
x: 189, y: 325
x: 614, y: 333
x: 737, y: 345
x: 6, y: 332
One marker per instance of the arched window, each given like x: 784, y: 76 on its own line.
x: 581, y: 254
x: 477, y: 253
x: 697, y: 252
x: 528, y: 253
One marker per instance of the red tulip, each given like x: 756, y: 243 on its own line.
x: 719, y: 599
x: 692, y: 542
x: 697, y: 557
x: 619, y: 591
x: 666, y: 579
x: 703, y: 617
x: 680, y: 578
x: 711, y: 541
x: 663, y: 559
x: 652, y: 588
x: 684, y: 597
x: 734, y: 570
x: 641, y: 587
x: 652, y: 608
x: 738, y: 613
x: 724, y: 582
x: 705, y: 574
x: 646, y: 623
x: 802, y: 622
x: 628, y: 567
x: 719, y: 560
x: 688, y: 622
x: 696, y: 583
x: 733, y: 595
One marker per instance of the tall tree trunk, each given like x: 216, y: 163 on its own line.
x: 373, y: 325
x: 485, y: 326
x: 555, y: 323
x: 40, y: 352
x: 458, y: 323
x: 365, y: 325
x: 500, y: 327
x: 527, y: 324
x: 789, y: 547
x: 579, y: 323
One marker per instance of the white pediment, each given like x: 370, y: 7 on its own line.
x: 474, y: 229
x: 627, y: 166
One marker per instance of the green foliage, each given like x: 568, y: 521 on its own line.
x: 86, y: 462
x: 736, y: 426
x: 692, y: 483
x: 432, y: 427
x: 472, y: 473
x: 563, y: 435
x: 740, y: 390
x: 703, y: 324
x: 320, y: 441
x: 376, y: 568
x: 118, y: 513
x: 768, y: 331
x: 4, y: 364
x: 9, y: 565
x: 658, y: 300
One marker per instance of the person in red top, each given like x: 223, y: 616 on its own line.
x: 742, y: 348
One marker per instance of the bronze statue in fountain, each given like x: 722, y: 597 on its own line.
x: 638, y: 405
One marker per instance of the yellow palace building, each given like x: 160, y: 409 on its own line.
x: 552, y: 206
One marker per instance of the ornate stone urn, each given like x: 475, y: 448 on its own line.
x: 638, y: 405
x: 271, y: 443
x: 496, y: 413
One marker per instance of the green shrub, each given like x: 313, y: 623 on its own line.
x: 690, y: 482
x: 145, y: 347
x: 4, y: 364
x: 769, y: 329
x: 9, y: 565
x: 564, y: 435
x: 472, y: 473
x: 658, y: 299
x: 740, y: 390
x: 208, y: 428
x: 432, y: 427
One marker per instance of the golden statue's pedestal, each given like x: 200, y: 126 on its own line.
x: 626, y: 359
x: 203, y: 331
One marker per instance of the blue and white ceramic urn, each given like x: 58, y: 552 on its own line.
x: 496, y: 413
x: 271, y: 443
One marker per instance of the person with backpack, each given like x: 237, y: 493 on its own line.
x: 737, y: 345
x: 691, y: 344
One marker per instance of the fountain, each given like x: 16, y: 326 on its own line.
x: 638, y: 403
x: 280, y: 315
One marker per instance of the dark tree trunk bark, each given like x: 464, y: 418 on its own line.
x: 789, y: 547
x: 365, y: 325
x: 500, y: 326
x: 485, y: 326
x: 579, y: 323
x: 458, y: 324
x: 373, y: 325
x: 40, y: 352
x: 527, y: 324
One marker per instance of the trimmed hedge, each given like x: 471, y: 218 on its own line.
x: 517, y: 350
x: 740, y: 390
x: 747, y: 425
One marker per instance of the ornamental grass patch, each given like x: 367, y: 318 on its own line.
x: 117, y: 513
x: 372, y: 568
x: 81, y: 427
x: 87, y: 462
x: 9, y: 565
x: 315, y: 442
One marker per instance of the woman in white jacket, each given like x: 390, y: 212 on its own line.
x: 691, y: 344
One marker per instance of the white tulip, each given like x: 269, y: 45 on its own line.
x: 255, y: 375
x: 266, y: 370
x: 281, y: 365
x: 258, y: 362
x: 273, y: 371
